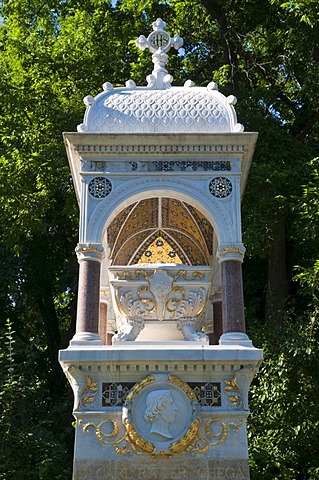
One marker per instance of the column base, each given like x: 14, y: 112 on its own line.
x: 236, y: 338
x: 83, y: 339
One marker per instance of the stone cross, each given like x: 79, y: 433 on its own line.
x: 159, y: 39
x: 159, y: 43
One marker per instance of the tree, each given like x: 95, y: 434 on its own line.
x: 54, y: 53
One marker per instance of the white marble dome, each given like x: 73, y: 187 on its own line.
x: 143, y: 110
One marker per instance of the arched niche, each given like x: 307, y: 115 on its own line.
x: 160, y: 230
x: 155, y: 187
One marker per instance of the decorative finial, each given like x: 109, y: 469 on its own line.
x: 159, y: 43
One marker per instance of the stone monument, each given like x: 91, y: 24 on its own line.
x: 160, y: 364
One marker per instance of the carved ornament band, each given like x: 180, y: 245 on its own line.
x: 216, y: 295
x: 234, y: 251
x: 89, y: 251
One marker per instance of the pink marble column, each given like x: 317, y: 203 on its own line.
x: 88, y: 296
x: 234, y: 329
x: 233, y: 298
x: 109, y: 337
x: 102, y: 322
x: 218, y: 323
x: 87, y: 321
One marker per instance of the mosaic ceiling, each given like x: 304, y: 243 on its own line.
x: 160, y: 230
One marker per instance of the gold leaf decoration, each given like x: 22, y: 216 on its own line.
x: 233, y: 393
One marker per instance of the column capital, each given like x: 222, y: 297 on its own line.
x: 216, y: 295
x: 231, y: 251
x: 105, y: 294
x: 89, y: 251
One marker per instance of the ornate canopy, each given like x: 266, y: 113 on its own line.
x: 159, y: 107
x: 160, y: 230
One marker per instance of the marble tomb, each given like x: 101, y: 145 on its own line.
x: 160, y: 364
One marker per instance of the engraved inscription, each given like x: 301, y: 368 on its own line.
x: 159, y: 39
x: 163, y: 473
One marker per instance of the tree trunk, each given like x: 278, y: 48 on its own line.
x: 50, y: 321
x: 277, y: 287
x: 229, y: 48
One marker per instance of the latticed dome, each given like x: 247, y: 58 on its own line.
x: 185, y: 109
x: 159, y: 107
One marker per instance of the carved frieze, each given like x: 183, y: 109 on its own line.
x: 164, y: 166
x: 140, y: 149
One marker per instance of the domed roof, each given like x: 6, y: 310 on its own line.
x: 159, y: 107
x: 160, y: 230
x: 185, y: 109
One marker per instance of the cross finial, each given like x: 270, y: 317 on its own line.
x: 159, y: 43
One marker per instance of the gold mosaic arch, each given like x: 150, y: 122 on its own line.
x: 163, y: 230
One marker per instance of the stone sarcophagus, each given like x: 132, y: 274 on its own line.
x: 165, y: 301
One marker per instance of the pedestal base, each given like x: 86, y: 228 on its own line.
x: 160, y: 411
x: 84, y: 339
x: 236, y: 338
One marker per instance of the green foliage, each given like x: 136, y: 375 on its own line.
x: 284, y: 424
x: 53, y: 54
x: 31, y: 440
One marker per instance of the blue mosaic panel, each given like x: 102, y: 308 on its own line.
x: 100, y: 187
x: 220, y: 187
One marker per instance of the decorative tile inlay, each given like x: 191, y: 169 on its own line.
x: 114, y: 394
x: 191, y: 166
x: 100, y: 187
x: 160, y: 250
x: 220, y: 187
x: 164, y: 166
x: 208, y: 394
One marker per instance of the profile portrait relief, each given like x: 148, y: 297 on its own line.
x: 160, y: 412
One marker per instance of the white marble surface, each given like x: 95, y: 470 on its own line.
x: 145, y: 110
x: 222, y: 428
x: 155, y: 351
